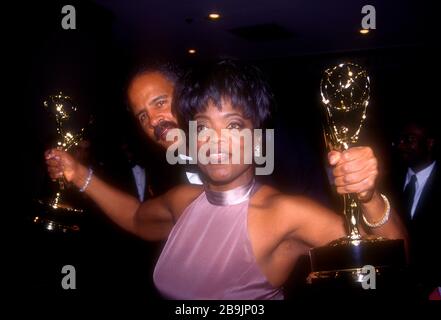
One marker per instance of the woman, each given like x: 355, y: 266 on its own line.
x: 231, y: 238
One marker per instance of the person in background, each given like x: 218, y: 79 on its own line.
x: 417, y: 185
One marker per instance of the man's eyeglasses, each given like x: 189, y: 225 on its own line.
x: 406, y: 139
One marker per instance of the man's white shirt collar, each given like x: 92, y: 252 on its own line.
x: 422, y: 176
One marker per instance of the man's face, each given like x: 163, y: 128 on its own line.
x: 150, y: 96
x: 414, y: 146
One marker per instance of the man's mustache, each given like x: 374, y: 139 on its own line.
x: 162, y: 127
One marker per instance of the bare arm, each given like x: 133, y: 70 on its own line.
x: 355, y: 171
x: 151, y: 220
x: 315, y: 225
x: 307, y: 221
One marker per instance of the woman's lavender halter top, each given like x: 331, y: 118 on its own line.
x: 208, y: 254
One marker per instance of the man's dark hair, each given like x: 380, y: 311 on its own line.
x: 169, y: 70
x: 242, y: 84
x: 425, y: 121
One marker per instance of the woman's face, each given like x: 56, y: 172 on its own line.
x: 221, y: 132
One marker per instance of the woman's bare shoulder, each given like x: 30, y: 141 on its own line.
x: 287, y: 212
x: 294, y: 217
x: 271, y: 198
x: 181, y: 196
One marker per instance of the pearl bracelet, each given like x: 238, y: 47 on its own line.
x: 86, y: 183
x: 385, y: 216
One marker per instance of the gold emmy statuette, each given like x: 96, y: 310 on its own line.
x: 57, y: 212
x: 345, y: 90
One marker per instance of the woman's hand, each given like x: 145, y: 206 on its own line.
x: 60, y: 163
x: 355, y: 171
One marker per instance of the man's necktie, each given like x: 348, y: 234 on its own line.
x: 409, y: 193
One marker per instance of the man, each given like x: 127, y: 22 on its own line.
x: 418, y: 186
x: 150, y: 94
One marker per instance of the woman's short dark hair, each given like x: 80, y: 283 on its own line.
x: 242, y: 84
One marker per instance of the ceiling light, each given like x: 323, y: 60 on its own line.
x: 191, y: 51
x: 364, y: 31
x: 214, y: 16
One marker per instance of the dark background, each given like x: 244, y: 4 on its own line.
x: 292, y: 42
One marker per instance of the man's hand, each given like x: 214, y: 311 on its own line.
x: 355, y: 171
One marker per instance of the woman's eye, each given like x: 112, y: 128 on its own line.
x: 161, y: 103
x: 235, y: 125
x: 201, y: 127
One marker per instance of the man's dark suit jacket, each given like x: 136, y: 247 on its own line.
x: 424, y: 229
